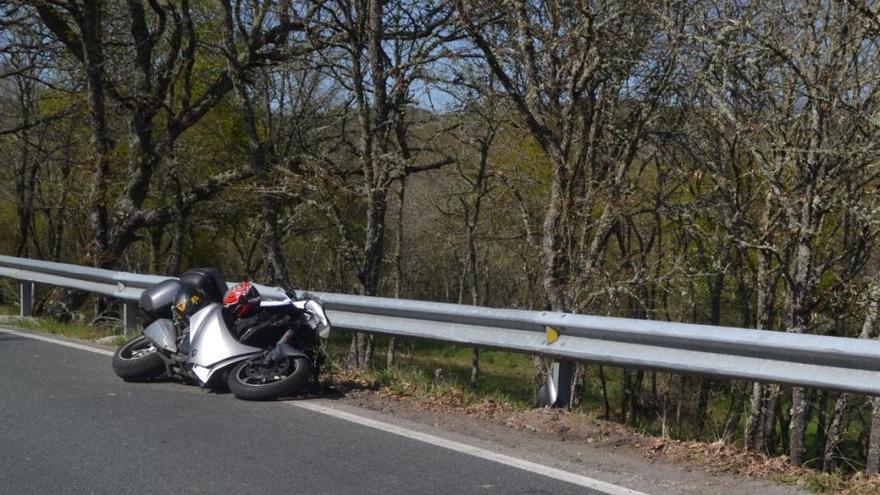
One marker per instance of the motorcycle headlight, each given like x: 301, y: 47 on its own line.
x: 322, y: 324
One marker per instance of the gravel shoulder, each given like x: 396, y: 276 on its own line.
x: 592, y: 448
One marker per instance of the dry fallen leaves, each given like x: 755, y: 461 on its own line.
x: 716, y: 457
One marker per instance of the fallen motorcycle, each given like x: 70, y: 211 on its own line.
x: 198, y: 333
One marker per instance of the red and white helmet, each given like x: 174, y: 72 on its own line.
x: 242, y: 300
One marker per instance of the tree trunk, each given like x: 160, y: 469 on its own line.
x: 798, y: 425
x: 771, y: 413
x: 58, y: 221
x: 555, y: 262
x: 821, y: 428
x: 754, y: 432
x: 391, y: 352
x: 25, y: 168
x: 636, y: 392
x: 625, y: 397
x: 832, y: 436
x: 737, y: 402
x: 398, y: 263
x: 766, y: 280
x: 580, y: 381
x: 276, y: 262
x: 784, y: 425
x: 471, y: 222
x: 93, y: 60
x: 702, y: 405
x: 276, y: 266
x: 872, y: 465
x: 539, y: 376
x: 802, y: 281
x: 716, y: 288
x: 360, y: 351
x: 605, y: 403
x: 374, y: 123
x: 175, y: 261
x: 475, y: 368
x: 156, y: 234
x: 63, y: 302
x: 682, y: 387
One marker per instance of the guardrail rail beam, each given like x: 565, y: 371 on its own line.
x: 815, y: 361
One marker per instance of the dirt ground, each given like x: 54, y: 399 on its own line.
x: 576, y: 443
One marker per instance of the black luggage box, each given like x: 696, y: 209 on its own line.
x: 157, y: 300
x: 208, y: 280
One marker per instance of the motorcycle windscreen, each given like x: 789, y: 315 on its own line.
x: 211, y: 343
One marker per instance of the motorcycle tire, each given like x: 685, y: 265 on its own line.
x: 244, y: 383
x: 137, y: 360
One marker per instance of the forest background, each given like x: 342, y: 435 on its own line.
x: 695, y: 161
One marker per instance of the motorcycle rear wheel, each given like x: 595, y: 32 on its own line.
x: 137, y: 360
x: 252, y: 380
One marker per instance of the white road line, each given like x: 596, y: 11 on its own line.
x: 488, y: 455
x: 532, y: 467
x: 56, y: 341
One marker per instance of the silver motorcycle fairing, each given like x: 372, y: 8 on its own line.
x: 162, y: 334
x: 205, y: 374
x: 314, y: 310
x: 212, y: 346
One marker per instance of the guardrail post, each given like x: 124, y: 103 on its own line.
x: 27, y: 298
x: 563, y: 372
x: 129, y: 317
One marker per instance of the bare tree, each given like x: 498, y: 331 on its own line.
x: 568, y: 82
x: 21, y: 81
x: 570, y: 72
x: 144, y: 67
x: 247, y: 25
x: 797, y: 132
x: 376, y: 50
x: 477, y: 131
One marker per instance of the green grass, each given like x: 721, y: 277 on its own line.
x: 8, y: 309
x: 829, y: 483
x: 75, y: 330
x: 505, y: 376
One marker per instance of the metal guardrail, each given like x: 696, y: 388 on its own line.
x: 836, y: 363
x: 119, y: 285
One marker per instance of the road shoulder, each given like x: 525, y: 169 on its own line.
x: 604, y: 455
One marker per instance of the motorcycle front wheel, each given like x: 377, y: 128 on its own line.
x: 255, y: 380
x: 137, y: 360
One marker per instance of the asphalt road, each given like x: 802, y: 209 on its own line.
x: 69, y: 425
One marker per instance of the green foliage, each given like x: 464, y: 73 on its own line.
x: 75, y: 330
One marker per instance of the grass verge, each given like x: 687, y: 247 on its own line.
x: 75, y: 330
